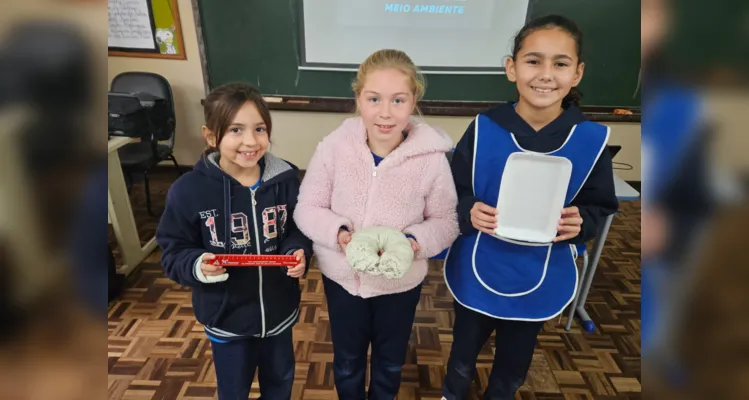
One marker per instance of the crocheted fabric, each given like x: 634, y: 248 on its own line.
x: 397, y: 254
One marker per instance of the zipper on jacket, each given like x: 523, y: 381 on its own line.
x: 366, y: 209
x: 259, y: 269
x: 369, y: 191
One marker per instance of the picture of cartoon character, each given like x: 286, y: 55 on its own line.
x: 165, y: 39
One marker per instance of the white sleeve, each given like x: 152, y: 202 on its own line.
x: 207, y: 279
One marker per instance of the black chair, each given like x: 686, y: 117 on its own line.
x: 141, y: 157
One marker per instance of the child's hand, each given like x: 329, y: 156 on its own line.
x: 207, y: 273
x: 569, y: 224
x: 344, y: 237
x: 296, y: 272
x: 414, y: 245
x: 208, y: 269
x: 484, y: 218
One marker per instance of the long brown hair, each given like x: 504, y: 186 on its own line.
x: 222, y: 105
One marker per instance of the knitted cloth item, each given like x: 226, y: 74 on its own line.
x: 397, y: 256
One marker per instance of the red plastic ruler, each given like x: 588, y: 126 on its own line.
x: 254, y: 260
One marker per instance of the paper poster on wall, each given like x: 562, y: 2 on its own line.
x: 145, y: 28
x: 131, y: 25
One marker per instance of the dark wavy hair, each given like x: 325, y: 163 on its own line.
x: 551, y: 22
x: 223, y: 103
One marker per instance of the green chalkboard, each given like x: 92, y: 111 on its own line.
x: 257, y: 41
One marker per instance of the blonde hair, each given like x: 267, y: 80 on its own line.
x: 389, y: 58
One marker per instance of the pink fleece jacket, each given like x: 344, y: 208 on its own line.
x: 411, y: 190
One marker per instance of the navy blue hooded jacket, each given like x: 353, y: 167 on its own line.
x: 208, y: 211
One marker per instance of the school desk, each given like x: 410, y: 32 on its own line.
x: 121, y: 214
x: 624, y: 192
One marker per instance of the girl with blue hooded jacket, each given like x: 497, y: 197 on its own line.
x: 239, y: 199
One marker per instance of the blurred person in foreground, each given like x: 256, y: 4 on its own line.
x: 680, y: 203
x: 51, y: 298
x: 675, y: 198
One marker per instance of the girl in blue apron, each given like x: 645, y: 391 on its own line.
x: 511, y: 287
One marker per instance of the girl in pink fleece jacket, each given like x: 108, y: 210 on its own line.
x: 383, y: 168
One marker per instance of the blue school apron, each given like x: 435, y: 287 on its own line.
x: 510, y: 279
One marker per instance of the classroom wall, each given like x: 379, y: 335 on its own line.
x: 295, y: 134
x: 185, y: 76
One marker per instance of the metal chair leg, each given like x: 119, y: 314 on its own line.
x: 573, y: 306
x: 176, y: 165
x: 128, y: 182
x: 148, y: 194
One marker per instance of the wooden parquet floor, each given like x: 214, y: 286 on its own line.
x: 157, y: 350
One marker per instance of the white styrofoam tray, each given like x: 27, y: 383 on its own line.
x: 531, y: 196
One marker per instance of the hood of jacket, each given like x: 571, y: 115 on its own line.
x: 275, y: 169
x: 422, y: 139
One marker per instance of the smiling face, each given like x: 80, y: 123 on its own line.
x: 245, y: 141
x: 386, y: 103
x: 545, y: 68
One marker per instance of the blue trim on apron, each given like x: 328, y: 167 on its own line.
x: 510, y: 279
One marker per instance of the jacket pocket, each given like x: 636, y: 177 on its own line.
x: 278, y: 281
x: 209, y: 303
x: 281, y: 296
x: 243, y: 311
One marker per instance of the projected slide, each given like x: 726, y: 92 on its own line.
x: 447, y: 14
x: 458, y: 36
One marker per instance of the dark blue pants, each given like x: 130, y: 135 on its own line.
x: 514, y: 343
x: 385, y: 322
x: 236, y: 361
